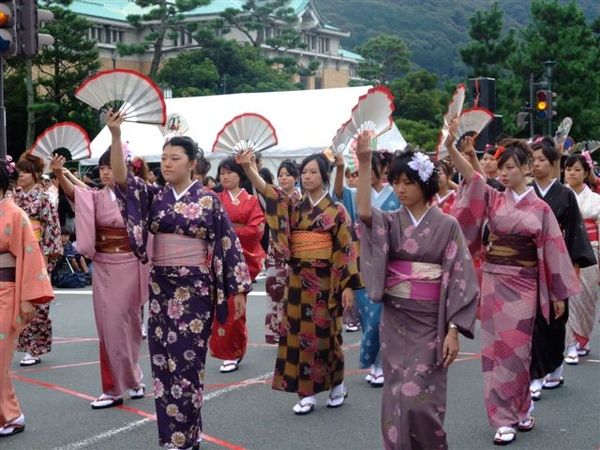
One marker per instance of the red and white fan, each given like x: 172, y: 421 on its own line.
x: 342, y: 142
x: 454, y: 109
x: 248, y: 131
x: 66, y: 138
x: 126, y: 91
x: 373, y: 112
x: 472, y: 121
x: 176, y: 125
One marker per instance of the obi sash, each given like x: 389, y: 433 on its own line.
x: 177, y: 250
x: 311, y: 245
x: 37, y: 228
x: 592, y: 229
x: 414, y: 280
x: 511, y: 250
x: 112, y: 240
x: 8, y: 264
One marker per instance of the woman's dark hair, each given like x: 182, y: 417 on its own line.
x: 291, y: 167
x: 379, y: 161
x: 546, y: 145
x: 31, y: 164
x: 323, y: 164
x: 444, y: 167
x: 202, y: 166
x: 489, y: 150
x: 516, y: 149
x: 156, y: 171
x: 266, y: 175
x: 399, y: 166
x: 104, y: 160
x: 190, y: 147
x: 578, y: 158
x: 208, y: 180
x: 5, y: 178
x: 230, y: 164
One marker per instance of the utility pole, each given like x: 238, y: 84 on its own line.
x: 549, y: 65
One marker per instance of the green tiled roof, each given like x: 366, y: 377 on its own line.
x: 350, y: 55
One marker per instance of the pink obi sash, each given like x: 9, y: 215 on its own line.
x: 414, y: 280
x: 592, y: 229
x: 37, y: 228
x: 178, y: 250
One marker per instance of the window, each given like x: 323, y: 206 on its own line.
x: 318, y: 83
x: 107, y: 34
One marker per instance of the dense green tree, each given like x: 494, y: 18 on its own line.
x: 222, y: 67
x: 15, y: 102
x: 165, y: 20
x: 385, y: 58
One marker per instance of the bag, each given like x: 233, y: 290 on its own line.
x: 75, y: 280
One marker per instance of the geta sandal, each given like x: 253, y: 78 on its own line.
x: 505, y: 436
x: 303, y: 407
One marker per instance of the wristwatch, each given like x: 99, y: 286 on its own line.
x: 452, y: 325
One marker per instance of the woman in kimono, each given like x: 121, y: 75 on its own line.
x: 24, y: 283
x: 197, y: 263
x: 526, y: 262
x: 416, y: 264
x: 444, y: 197
x: 119, y: 284
x: 548, y: 343
x: 315, y: 235
x: 582, y: 307
x: 228, y: 341
x: 36, y: 338
x: 276, y: 264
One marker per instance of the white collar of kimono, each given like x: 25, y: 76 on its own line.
x: 234, y: 197
x: 518, y: 197
x: 414, y: 219
x: 441, y: 199
x: 377, y: 198
x: 112, y: 194
x: 178, y: 196
x: 313, y: 204
x: 545, y: 191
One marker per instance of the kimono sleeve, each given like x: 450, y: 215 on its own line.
x: 50, y: 225
x: 134, y: 203
x: 85, y: 220
x: 229, y: 267
x: 471, y: 208
x: 374, y: 248
x: 277, y: 214
x: 576, y: 238
x: 32, y: 283
x: 255, y: 224
x: 349, y: 201
x: 345, y: 253
x: 459, y: 282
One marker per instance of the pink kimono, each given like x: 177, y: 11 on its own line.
x: 120, y: 287
x: 525, y: 263
x: 23, y: 278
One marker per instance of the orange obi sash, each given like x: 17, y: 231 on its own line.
x: 37, y: 228
x: 177, y: 250
x: 592, y: 229
x: 311, y: 245
x: 414, y: 280
x: 511, y: 250
x: 112, y: 240
x: 8, y: 264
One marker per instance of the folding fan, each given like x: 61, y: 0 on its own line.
x: 454, y: 109
x: 248, y: 131
x: 343, y: 138
x: 67, y: 139
x: 472, y: 121
x: 563, y: 131
x: 352, y: 162
x: 127, y: 91
x: 176, y: 125
x: 373, y: 111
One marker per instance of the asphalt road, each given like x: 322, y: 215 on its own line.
x: 242, y: 412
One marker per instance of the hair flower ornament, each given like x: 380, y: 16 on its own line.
x: 10, y: 165
x: 588, y: 158
x: 423, y: 165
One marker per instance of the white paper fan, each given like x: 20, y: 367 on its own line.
x: 456, y: 104
x: 176, y: 125
x: 441, y: 151
x: 562, y: 131
x: 472, y: 121
x: 244, y: 132
x: 373, y: 112
x: 343, y: 139
x: 127, y: 91
x: 66, y: 138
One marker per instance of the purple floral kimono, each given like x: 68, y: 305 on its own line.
x: 183, y: 298
x: 413, y: 326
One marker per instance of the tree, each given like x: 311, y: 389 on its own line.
x: 223, y: 67
x: 165, y: 20
x: 386, y: 57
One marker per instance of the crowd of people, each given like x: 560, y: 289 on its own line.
x: 410, y: 251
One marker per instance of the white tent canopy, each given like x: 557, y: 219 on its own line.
x: 305, y: 122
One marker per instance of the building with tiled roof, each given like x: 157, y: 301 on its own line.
x: 337, y: 68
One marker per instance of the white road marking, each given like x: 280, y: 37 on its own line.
x: 105, y: 435
x: 237, y: 386
x: 78, y: 292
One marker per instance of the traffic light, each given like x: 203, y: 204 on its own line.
x: 8, y: 28
x: 30, y: 17
x: 545, y: 105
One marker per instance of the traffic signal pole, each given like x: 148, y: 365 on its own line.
x: 2, y: 113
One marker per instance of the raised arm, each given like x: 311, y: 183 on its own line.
x: 460, y: 162
x: 338, y: 184
x: 247, y: 160
x: 57, y: 166
x: 363, y: 192
x: 468, y: 149
x: 117, y: 160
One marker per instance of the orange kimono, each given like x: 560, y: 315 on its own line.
x: 23, y: 278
